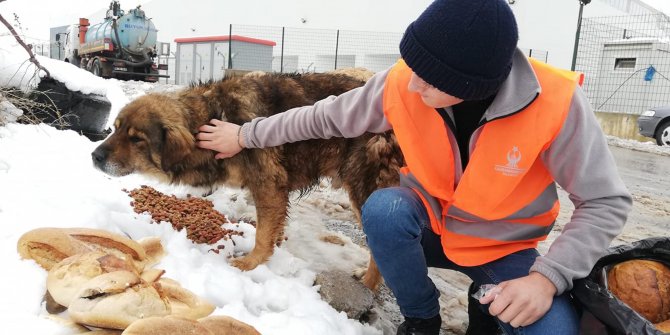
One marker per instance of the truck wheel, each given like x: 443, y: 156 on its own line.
x: 96, y: 69
x: 663, y: 134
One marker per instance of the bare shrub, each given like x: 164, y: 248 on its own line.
x: 33, y: 111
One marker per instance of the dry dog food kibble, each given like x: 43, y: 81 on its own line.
x: 202, y: 222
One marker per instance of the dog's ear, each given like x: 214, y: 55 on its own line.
x: 179, y: 143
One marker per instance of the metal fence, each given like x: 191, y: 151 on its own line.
x: 244, y: 48
x: 42, y: 49
x: 626, y: 62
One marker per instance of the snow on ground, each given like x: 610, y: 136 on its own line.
x: 650, y: 146
x: 47, y: 180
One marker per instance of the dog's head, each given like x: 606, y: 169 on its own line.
x: 151, y: 136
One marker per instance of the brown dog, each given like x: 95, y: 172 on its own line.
x: 154, y: 136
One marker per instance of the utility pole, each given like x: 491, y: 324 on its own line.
x: 582, y: 3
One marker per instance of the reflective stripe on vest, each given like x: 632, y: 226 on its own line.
x: 506, y: 199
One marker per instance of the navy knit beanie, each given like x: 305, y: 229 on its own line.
x: 462, y: 47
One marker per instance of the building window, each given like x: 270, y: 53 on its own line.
x: 624, y: 63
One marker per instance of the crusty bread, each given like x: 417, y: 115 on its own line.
x: 153, y: 248
x: 67, y: 276
x: 102, y: 332
x: 183, y: 302
x: 51, y: 305
x: 226, y: 325
x: 166, y: 325
x: 211, y: 325
x: 152, y: 275
x: 644, y: 286
x: 117, y: 299
x: 48, y: 246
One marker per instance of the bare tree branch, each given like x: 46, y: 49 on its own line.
x: 30, y: 52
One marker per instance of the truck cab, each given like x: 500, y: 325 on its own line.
x: 70, y: 42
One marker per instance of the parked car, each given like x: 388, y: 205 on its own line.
x: 655, y: 123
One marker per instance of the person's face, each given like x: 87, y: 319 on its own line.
x: 430, y: 95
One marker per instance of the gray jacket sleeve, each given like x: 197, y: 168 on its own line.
x: 348, y: 115
x: 581, y: 163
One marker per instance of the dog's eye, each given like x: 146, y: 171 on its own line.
x: 135, y: 139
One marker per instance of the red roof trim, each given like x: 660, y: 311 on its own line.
x: 224, y: 38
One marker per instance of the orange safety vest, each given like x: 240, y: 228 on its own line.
x: 506, y: 199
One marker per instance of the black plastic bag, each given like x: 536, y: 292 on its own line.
x: 605, y: 314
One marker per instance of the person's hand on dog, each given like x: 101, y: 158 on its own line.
x: 521, y: 301
x: 222, y: 137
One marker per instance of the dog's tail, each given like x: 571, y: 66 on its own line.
x: 384, y: 151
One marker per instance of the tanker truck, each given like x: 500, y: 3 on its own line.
x: 122, y: 46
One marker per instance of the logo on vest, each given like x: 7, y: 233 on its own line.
x: 511, y: 168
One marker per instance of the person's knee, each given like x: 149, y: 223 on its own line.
x: 390, y: 209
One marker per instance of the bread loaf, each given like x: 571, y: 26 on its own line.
x: 66, y: 278
x: 102, y: 332
x: 183, y: 302
x: 644, y: 286
x: 224, y: 325
x: 212, y: 325
x: 48, y: 246
x: 153, y: 248
x: 117, y: 299
x: 166, y: 325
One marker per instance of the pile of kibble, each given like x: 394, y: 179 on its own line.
x: 202, y: 222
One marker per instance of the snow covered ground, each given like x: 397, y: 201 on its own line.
x: 650, y: 147
x: 47, y: 180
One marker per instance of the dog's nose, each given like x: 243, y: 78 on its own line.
x: 99, y: 156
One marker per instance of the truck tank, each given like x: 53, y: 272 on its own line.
x: 121, y: 46
x: 136, y: 33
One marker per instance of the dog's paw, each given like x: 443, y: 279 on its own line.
x: 371, y: 279
x: 249, y: 262
x: 359, y: 272
x: 245, y: 263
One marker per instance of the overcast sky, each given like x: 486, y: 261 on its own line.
x: 37, y: 16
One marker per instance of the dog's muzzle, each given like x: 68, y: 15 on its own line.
x: 99, y: 157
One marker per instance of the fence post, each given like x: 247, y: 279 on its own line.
x: 579, y: 28
x: 337, y: 45
x: 281, y: 59
x: 230, y: 47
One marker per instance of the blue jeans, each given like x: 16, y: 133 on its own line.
x: 398, y: 232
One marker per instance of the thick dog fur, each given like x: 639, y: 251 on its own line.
x: 154, y: 136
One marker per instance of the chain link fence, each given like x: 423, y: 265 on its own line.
x: 287, y: 50
x: 282, y: 49
x: 626, y: 62
x: 42, y: 49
